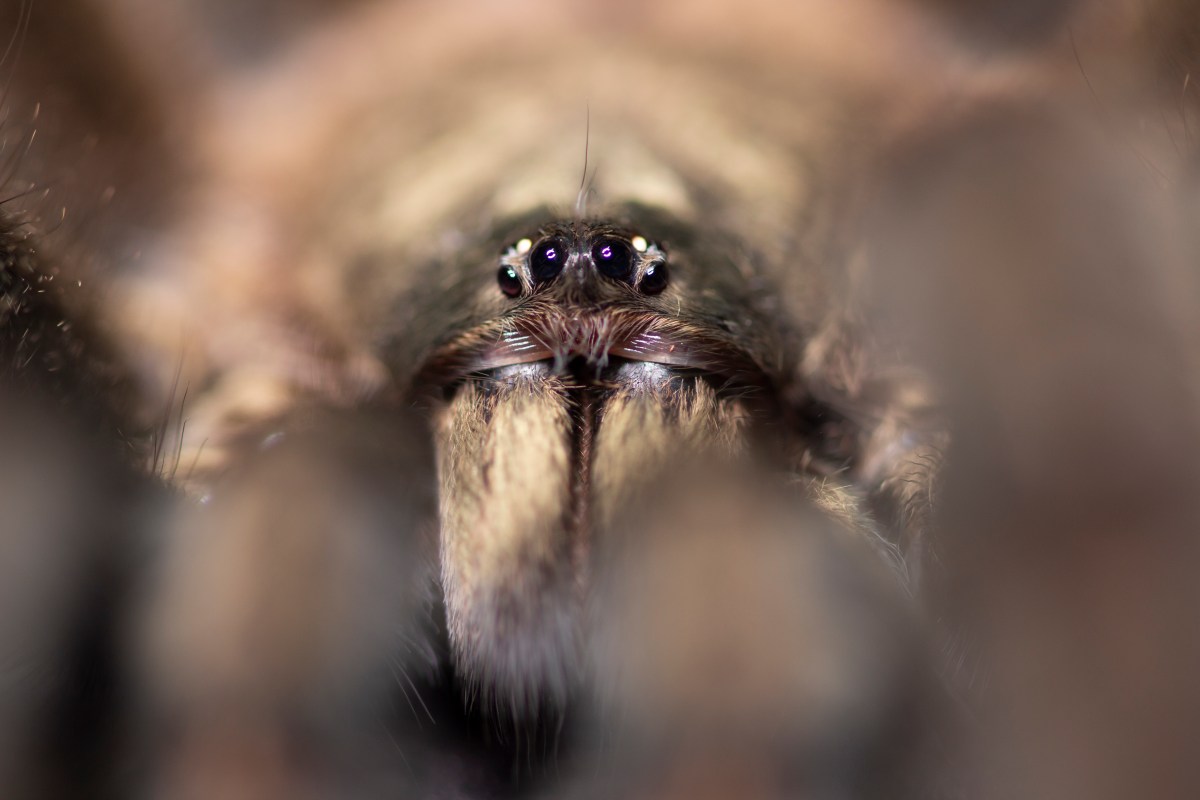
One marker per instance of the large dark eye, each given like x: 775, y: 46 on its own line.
x: 509, y: 280
x: 547, y: 260
x: 655, y: 278
x: 614, y: 259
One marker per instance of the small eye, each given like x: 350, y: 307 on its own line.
x: 509, y: 280
x: 614, y: 259
x: 655, y: 278
x: 547, y: 260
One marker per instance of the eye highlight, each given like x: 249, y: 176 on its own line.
x: 655, y: 278
x: 548, y: 260
x: 509, y: 280
x: 614, y: 259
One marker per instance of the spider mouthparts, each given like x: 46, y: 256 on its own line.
x: 592, y: 340
x: 589, y: 341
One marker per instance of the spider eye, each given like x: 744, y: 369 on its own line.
x: 509, y: 280
x: 548, y: 260
x: 655, y: 278
x: 614, y: 259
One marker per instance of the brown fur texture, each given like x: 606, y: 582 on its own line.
x: 885, y: 492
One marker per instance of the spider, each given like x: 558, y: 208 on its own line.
x: 423, y: 401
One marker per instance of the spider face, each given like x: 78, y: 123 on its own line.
x: 585, y: 253
x: 581, y: 297
x: 584, y: 292
x: 572, y: 395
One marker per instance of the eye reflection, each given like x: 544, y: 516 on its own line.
x: 655, y: 278
x: 548, y: 260
x: 614, y: 259
x: 509, y: 280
